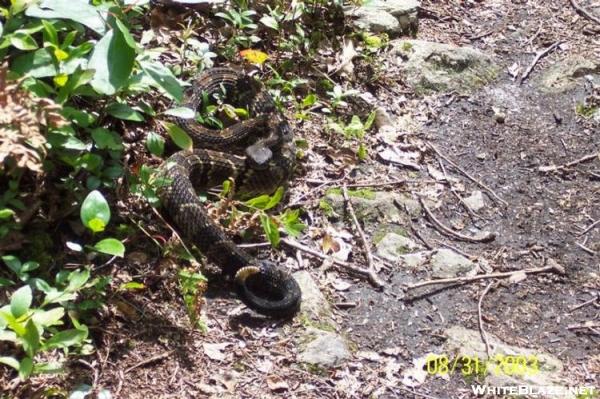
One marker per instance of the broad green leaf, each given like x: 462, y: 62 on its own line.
x: 270, y: 22
x: 125, y: 112
x: 107, y: 139
x: 49, y: 368
x: 6, y: 213
x: 77, y: 279
x: 10, y: 361
x: 178, y: 135
x: 181, y: 112
x: 5, y: 282
x: 126, y: 35
x: 155, y: 144
x: 370, y: 120
x: 31, y: 338
x: 259, y: 202
x: 55, y: 296
x: 50, y: 317
x: 13, y: 263
x: 110, y: 246
x: 29, y: 266
x: 95, y: 213
x: 275, y: 198
x: 25, y: 368
x: 66, y: 338
x: 112, y: 60
x: 270, y: 229
x: 40, y: 64
x: 51, y: 33
x: 76, y: 10
x: 20, y: 301
x: 1, y: 29
x: 23, y: 41
x: 309, y: 100
x: 291, y: 222
x: 163, y: 78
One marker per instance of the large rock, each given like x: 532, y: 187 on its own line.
x: 325, y: 349
x: 436, y: 67
x: 372, y: 207
x: 543, y: 368
x: 565, y: 74
x: 314, y: 305
x: 389, y: 16
x: 446, y: 263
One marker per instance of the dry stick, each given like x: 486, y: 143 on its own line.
x: 486, y: 238
x: 357, y: 270
x: 586, y: 158
x: 554, y: 267
x: 584, y: 12
x: 174, y: 231
x: 480, y: 318
x: 582, y: 304
x: 591, y: 226
x: 149, y: 360
x: 368, y: 254
x: 537, y: 58
x: 586, y: 249
x: 474, y: 180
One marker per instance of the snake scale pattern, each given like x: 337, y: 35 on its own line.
x: 258, y: 154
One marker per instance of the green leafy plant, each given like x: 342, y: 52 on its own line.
x: 355, y: 130
x: 95, y: 215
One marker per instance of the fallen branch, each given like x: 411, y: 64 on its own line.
x: 480, y: 319
x: 588, y: 302
x: 487, y: 237
x: 149, y: 360
x: 361, y: 234
x: 373, y: 279
x: 591, y: 226
x: 474, y: 180
x: 554, y: 267
x: 537, y: 58
x: 586, y: 158
x: 585, y: 12
x: 586, y: 249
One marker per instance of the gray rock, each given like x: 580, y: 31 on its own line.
x: 464, y: 342
x: 475, y: 201
x: 565, y: 74
x: 390, y: 16
x: 446, y: 263
x: 314, y: 305
x: 370, y: 207
x: 393, y: 245
x: 415, y: 259
x: 432, y: 67
x: 324, y: 349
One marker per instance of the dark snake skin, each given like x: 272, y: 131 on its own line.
x: 264, y: 161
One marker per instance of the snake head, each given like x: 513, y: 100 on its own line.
x: 268, y: 289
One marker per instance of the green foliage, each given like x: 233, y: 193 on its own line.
x: 34, y: 320
x: 192, y: 286
x: 354, y: 131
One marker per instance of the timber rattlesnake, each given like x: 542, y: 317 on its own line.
x: 261, y: 165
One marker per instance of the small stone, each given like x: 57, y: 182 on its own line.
x: 415, y: 259
x: 475, y: 201
x: 499, y: 115
x: 326, y: 349
x: 390, y: 16
x: 446, y: 263
x: 481, y: 156
x: 393, y: 245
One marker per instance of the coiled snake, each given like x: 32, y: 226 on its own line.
x: 264, y: 161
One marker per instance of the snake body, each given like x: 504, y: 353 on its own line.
x: 258, y: 154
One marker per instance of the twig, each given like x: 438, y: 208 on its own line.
x: 582, y: 304
x: 357, y: 270
x: 537, y: 58
x: 585, y: 12
x: 480, y: 318
x: 149, y: 360
x: 591, y: 226
x: 474, y: 180
x: 553, y: 267
x: 345, y: 305
x: 586, y: 158
x: 586, y: 249
x: 487, y: 237
x: 366, y: 246
x: 174, y: 232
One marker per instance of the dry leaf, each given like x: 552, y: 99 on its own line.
x: 276, y: 383
x: 215, y: 351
